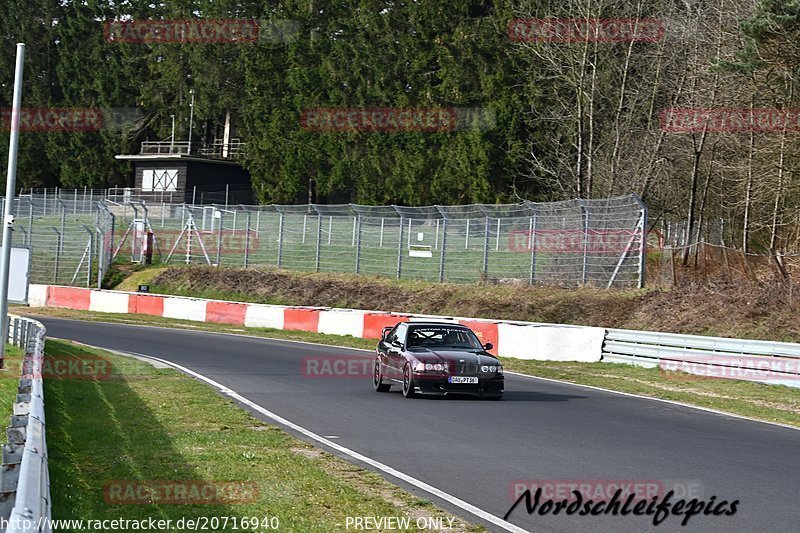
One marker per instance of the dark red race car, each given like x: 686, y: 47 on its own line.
x: 436, y: 358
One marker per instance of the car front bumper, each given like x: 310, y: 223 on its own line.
x: 438, y: 385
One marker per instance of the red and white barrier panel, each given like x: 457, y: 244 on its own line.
x: 523, y: 340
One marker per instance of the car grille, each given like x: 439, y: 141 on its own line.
x: 464, y: 368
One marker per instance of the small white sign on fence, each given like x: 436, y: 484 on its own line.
x: 419, y: 250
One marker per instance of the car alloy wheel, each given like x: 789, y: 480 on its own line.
x: 408, y: 382
x: 377, y: 378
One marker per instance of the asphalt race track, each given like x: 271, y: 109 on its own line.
x: 475, y: 450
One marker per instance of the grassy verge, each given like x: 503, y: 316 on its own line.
x: 737, y: 309
x: 772, y: 403
x: 142, y: 424
x: 9, y: 380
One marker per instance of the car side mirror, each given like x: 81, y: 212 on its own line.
x: 488, y: 346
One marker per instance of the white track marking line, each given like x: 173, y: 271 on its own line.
x: 480, y: 513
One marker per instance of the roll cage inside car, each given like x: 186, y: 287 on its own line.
x: 432, y: 336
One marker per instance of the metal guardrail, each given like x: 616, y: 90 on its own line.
x: 777, y: 363
x: 25, y: 479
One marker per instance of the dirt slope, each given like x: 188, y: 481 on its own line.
x: 739, y: 309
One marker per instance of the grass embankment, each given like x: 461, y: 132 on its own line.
x: 739, y: 309
x: 772, y: 403
x: 145, y: 424
x: 9, y: 380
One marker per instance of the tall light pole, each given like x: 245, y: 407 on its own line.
x: 11, y: 184
x: 191, y: 119
x: 172, y: 137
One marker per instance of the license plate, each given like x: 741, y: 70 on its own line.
x: 463, y: 379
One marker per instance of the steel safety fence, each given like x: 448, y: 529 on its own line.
x: 576, y: 242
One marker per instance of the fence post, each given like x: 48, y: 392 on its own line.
x: 643, y: 244
x: 305, y: 226
x: 319, y: 239
x: 466, y: 239
x: 497, y: 239
x: 443, y: 248
x: 30, y: 218
x: 247, y: 239
x: 486, y: 248
x: 358, y: 245
x: 191, y: 226
x: 280, y: 239
x: 89, y: 256
x: 532, y: 243
x: 355, y: 221
x: 400, y: 249
x: 219, y: 233
x: 100, y: 257
x: 585, y: 241
x: 380, y: 244
x: 58, y: 254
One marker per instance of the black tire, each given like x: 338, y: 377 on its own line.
x: 408, y: 382
x: 377, y: 379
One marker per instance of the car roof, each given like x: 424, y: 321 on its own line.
x: 437, y: 324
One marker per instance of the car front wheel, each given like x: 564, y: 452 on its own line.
x: 377, y: 378
x: 408, y: 382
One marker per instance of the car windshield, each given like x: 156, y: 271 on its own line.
x: 443, y: 337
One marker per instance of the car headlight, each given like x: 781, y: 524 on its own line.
x: 491, y: 369
x: 499, y: 369
x: 430, y: 367
x: 484, y: 368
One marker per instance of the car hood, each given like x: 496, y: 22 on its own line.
x: 426, y: 355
